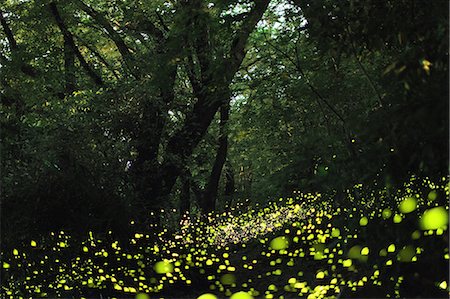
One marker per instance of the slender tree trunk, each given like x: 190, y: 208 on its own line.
x: 210, y: 195
x: 229, y: 184
x: 185, y: 196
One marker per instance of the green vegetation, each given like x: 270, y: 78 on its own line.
x: 144, y: 145
x: 307, y: 248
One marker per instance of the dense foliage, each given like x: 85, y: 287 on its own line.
x: 146, y: 118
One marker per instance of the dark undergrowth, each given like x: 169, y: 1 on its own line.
x: 380, y: 244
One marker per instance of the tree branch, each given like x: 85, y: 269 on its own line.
x: 363, y: 69
x: 237, y: 52
x: 68, y: 39
x: 296, y: 64
x: 9, y: 35
x: 148, y: 27
x: 100, y: 58
x: 190, y: 68
x: 161, y: 21
x: 24, y: 67
x: 198, y: 37
x: 114, y: 35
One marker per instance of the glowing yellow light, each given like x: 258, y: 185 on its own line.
x: 434, y: 218
x: 207, y: 296
x: 279, y: 243
x: 397, y: 218
x: 335, y: 232
x: 347, y: 263
x: 241, y: 295
x: 386, y: 213
x: 363, y: 221
x: 391, y: 248
x: 408, y: 205
x: 426, y: 66
x: 117, y: 287
x: 163, y: 267
x: 365, y: 251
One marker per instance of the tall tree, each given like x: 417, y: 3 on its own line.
x: 137, y: 85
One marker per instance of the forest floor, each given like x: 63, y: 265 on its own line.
x: 382, y: 245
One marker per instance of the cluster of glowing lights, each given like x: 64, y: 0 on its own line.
x: 298, y: 246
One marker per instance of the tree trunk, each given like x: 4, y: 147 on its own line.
x: 210, y: 194
x: 212, y: 92
x: 229, y: 184
x: 185, y: 196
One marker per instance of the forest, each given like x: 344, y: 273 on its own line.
x: 224, y: 149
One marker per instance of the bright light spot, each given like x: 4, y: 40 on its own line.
x: 335, y: 232
x: 365, y: 251
x: 386, y: 213
x: 347, y: 263
x: 117, y: 287
x: 391, y: 248
x: 397, y: 218
x: 363, y: 221
x: 163, y: 267
x: 408, y: 205
x: 434, y: 218
x: 279, y: 243
x: 144, y: 296
x: 206, y: 296
x: 241, y: 295
x: 320, y: 275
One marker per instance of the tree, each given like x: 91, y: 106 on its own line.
x: 318, y: 88
x: 114, y: 102
x: 146, y: 63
